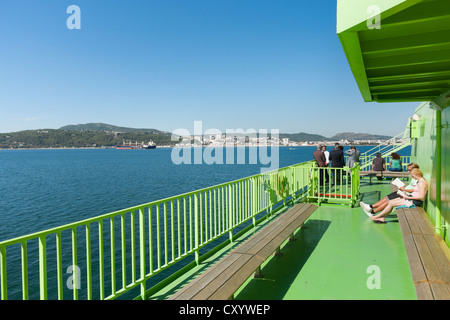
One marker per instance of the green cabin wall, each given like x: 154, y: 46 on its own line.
x: 423, y: 152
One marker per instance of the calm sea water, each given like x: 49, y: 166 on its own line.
x: 41, y: 189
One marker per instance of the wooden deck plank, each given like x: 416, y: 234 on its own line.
x: 228, y: 288
x: 277, y: 238
x: 403, y: 222
x: 230, y: 274
x: 412, y: 222
x: 428, y: 258
x: 439, y: 290
x: 440, y: 259
x: 256, y: 242
x: 423, y: 291
x: 428, y: 263
x: 203, y: 280
x: 420, y: 221
x: 227, y: 275
x: 415, y: 264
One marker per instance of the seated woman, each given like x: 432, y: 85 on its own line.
x: 417, y: 197
x: 396, y: 163
x: 380, y: 205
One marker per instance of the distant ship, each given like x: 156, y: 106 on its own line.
x: 148, y: 146
x: 130, y: 145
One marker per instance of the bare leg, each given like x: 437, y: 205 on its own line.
x: 383, y: 202
x: 388, y: 209
x: 381, y: 206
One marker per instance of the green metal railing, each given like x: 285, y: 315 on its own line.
x: 335, y: 185
x: 368, y: 159
x: 108, y: 255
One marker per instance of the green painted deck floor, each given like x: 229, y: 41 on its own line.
x: 341, y: 254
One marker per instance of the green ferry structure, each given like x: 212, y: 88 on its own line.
x: 282, y: 235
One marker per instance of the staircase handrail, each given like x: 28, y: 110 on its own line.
x: 386, y: 144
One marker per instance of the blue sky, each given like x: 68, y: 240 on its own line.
x: 250, y: 64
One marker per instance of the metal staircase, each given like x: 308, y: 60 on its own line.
x: 386, y: 148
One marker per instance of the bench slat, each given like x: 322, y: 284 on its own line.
x: 404, y: 226
x: 439, y: 257
x: 415, y: 264
x: 276, y: 239
x: 421, y: 223
x: 428, y: 258
x: 234, y: 282
x: 423, y: 291
x: 203, y: 280
x: 256, y: 244
x: 440, y: 290
x: 403, y: 222
x: 428, y: 263
x: 222, y: 279
x: 412, y: 222
x: 230, y: 278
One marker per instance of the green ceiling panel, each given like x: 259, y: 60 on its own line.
x: 406, y: 57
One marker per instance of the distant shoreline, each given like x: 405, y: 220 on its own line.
x: 168, y: 147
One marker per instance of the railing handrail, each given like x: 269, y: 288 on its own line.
x: 387, y: 143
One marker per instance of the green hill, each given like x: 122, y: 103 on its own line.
x: 358, y: 136
x: 51, y: 138
x: 108, y: 128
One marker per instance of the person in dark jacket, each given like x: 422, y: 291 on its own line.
x: 337, y: 161
x: 319, y: 156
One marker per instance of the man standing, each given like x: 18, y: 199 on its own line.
x: 319, y: 157
x: 353, y: 156
x: 321, y: 163
x: 327, y: 155
x: 337, y: 161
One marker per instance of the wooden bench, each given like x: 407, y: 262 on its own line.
x: 392, y: 174
x: 428, y: 255
x: 221, y: 281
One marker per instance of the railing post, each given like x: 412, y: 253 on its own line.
x: 196, y: 229
x: 142, y: 249
x: 230, y: 213
x: 252, y: 200
x: 4, y: 292
x: 76, y: 274
x: 88, y: 261
x: 43, y: 267
x: 24, y: 270
x: 101, y: 261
